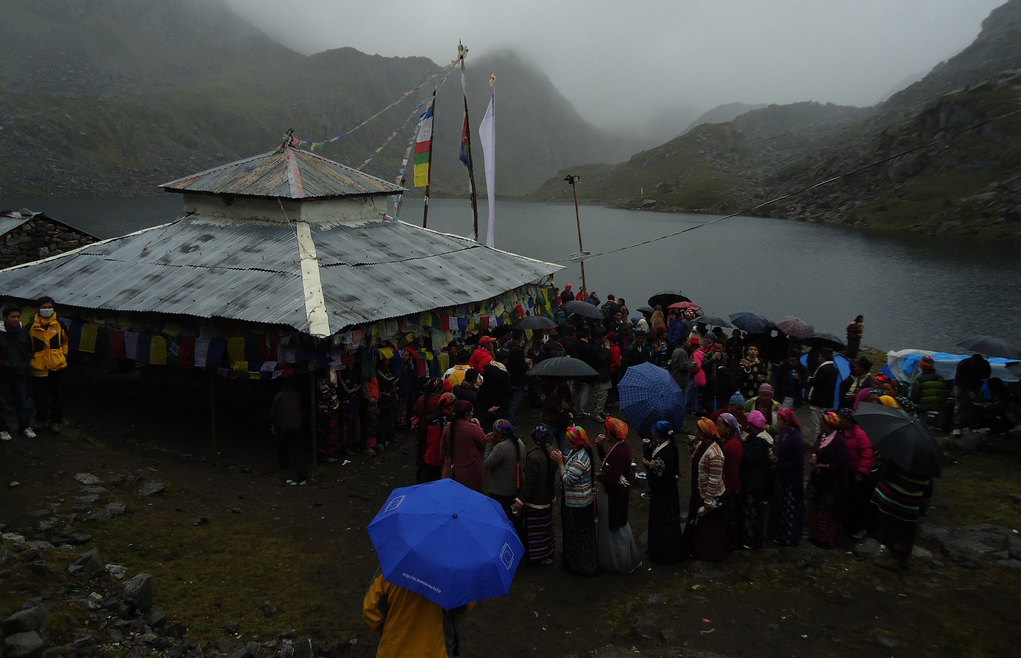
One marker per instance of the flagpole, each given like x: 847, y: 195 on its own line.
x: 461, y: 52
x: 425, y: 209
x: 573, y: 182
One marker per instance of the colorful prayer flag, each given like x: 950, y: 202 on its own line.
x: 466, y: 148
x: 487, y: 132
x: 423, y: 149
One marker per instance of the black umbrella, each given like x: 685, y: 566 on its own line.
x: 713, y: 321
x: 646, y: 309
x: 990, y: 346
x: 666, y: 298
x: 902, y: 438
x: 584, y: 309
x: 822, y: 339
x: 534, y: 322
x: 562, y: 366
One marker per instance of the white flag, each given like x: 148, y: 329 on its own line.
x: 487, y: 132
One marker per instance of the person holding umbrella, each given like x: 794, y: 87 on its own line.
x: 617, y: 550
x: 664, y: 503
x: 901, y: 498
x: 410, y: 624
x: 578, y: 509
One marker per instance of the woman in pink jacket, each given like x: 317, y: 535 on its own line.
x: 860, y: 512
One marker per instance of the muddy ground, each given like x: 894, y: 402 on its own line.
x: 229, y: 543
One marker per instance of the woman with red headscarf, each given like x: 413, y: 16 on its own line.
x: 787, y: 506
x: 828, y: 481
x: 705, y: 535
x: 617, y: 550
x: 578, y: 507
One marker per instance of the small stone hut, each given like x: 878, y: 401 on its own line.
x: 26, y: 236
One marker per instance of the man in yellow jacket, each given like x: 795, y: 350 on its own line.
x: 49, y: 360
x: 410, y: 625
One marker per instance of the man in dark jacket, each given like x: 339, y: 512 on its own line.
x: 495, y: 392
x: 859, y: 380
x: 971, y: 372
x: 789, y: 382
x: 517, y: 367
x: 567, y: 295
x: 600, y: 355
x: 15, y: 357
x: 929, y: 391
x: 823, y: 386
x: 637, y: 353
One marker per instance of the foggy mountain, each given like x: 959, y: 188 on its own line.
x: 967, y: 184
x: 116, y: 97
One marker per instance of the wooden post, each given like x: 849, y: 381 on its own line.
x: 461, y: 52
x: 212, y: 404
x: 315, y: 455
x: 573, y: 180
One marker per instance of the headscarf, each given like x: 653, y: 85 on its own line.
x: 732, y: 423
x: 577, y: 436
x: 830, y: 418
x: 765, y: 388
x: 737, y: 399
x: 756, y: 419
x: 446, y: 400
x: 708, y: 427
x: 789, y: 416
x: 503, y: 428
x: 616, y: 427
x: 462, y: 407
x: 846, y: 414
x: 542, y: 434
x: 663, y: 429
x: 889, y: 401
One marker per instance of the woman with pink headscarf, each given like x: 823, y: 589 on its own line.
x: 755, y: 479
x: 617, y: 550
x: 787, y: 506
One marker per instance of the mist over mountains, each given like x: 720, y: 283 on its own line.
x: 966, y: 181
x: 114, y: 97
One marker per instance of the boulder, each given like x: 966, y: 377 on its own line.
x: 24, y: 621
x: 868, y: 548
x: 138, y: 592
x: 150, y: 487
x: 23, y: 645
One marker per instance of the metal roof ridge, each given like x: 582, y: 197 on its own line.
x: 216, y: 168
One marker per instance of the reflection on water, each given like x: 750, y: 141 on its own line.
x: 914, y: 291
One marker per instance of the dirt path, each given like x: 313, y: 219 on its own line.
x: 228, y: 542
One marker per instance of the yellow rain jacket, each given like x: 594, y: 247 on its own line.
x: 411, y: 625
x: 49, y: 345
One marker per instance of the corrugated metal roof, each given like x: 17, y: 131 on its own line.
x: 288, y: 173
x: 11, y: 221
x: 251, y: 271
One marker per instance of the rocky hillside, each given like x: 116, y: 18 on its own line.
x: 115, y: 97
x: 965, y: 183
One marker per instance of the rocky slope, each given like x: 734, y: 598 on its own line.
x: 964, y: 181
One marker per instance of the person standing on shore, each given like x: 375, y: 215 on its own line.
x: 15, y: 358
x: 49, y: 361
x: 854, y: 334
x: 295, y: 450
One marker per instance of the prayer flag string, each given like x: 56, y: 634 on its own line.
x: 312, y: 146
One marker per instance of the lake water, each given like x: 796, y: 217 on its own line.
x: 914, y: 291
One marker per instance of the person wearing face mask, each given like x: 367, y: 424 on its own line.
x: 15, y: 356
x: 49, y: 360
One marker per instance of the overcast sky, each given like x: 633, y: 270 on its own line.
x: 622, y: 61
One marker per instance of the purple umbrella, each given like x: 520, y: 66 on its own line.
x: 793, y: 326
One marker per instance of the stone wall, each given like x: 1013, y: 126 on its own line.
x: 38, y: 238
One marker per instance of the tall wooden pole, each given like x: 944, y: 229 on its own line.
x: 425, y: 211
x: 573, y: 180
x: 461, y: 52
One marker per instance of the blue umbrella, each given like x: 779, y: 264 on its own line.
x: 446, y: 542
x: 751, y: 322
x: 648, y: 394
